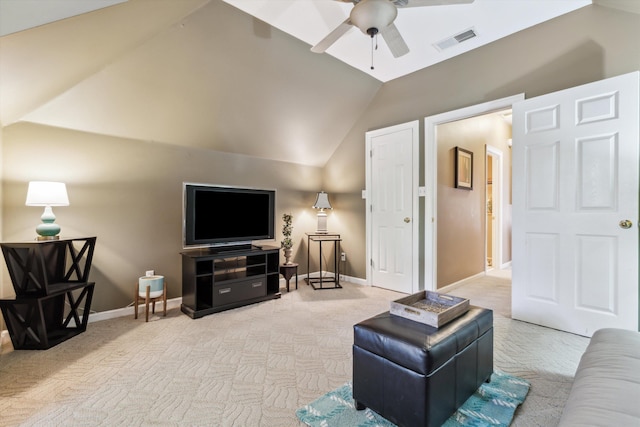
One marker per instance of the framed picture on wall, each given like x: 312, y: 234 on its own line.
x: 464, y: 169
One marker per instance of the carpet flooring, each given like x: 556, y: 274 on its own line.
x: 252, y: 366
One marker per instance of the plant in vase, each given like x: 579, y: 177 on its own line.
x: 287, y: 243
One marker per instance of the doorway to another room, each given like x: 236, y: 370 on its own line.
x: 464, y: 242
x: 473, y: 220
x: 494, y: 228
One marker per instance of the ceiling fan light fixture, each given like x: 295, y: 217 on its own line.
x: 376, y: 14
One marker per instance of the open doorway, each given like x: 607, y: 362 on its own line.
x: 494, y: 227
x: 470, y: 225
x: 455, y: 231
x: 489, y: 197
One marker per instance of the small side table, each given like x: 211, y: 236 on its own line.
x: 319, y: 281
x: 288, y: 270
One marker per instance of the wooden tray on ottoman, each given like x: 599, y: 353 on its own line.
x: 430, y: 308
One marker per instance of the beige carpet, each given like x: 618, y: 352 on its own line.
x: 252, y: 366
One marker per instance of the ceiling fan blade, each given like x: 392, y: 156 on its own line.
x: 332, y: 37
x: 394, y: 41
x: 421, y: 3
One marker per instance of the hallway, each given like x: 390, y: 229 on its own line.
x: 491, y: 291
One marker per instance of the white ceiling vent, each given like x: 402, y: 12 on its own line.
x: 456, y: 39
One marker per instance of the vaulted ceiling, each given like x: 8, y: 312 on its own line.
x: 197, y: 73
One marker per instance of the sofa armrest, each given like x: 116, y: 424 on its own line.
x: 606, y: 387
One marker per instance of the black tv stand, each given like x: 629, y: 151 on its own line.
x: 218, y: 279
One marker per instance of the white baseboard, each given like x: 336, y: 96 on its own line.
x: 356, y: 280
x: 176, y: 302
x: 343, y: 278
x: 459, y: 283
x: 128, y: 311
x: 171, y: 303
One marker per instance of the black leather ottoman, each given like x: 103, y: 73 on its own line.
x: 416, y: 375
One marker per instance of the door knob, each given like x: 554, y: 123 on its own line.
x: 407, y: 219
x: 625, y: 223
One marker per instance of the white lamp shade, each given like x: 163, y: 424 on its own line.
x: 45, y: 193
x: 322, y: 201
x: 378, y: 14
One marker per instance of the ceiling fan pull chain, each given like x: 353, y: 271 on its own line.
x: 372, y: 49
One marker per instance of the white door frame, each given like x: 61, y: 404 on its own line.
x: 431, y: 175
x: 498, y: 176
x: 415, y: 127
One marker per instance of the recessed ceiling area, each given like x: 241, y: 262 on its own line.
x: 421, y: 27
x: 424, y: 29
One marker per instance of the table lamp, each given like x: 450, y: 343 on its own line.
x: 47, y: 194
x: 322, y: 203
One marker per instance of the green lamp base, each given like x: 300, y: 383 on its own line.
x: 48, y: 230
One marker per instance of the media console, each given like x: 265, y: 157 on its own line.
x: 218, y: 279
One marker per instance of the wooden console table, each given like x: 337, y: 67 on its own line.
x: 53, y: 294
x: 318, y: 282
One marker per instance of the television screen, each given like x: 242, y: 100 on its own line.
x: 215, y: 215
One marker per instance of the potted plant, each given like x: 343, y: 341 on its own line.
x: 287, y: 243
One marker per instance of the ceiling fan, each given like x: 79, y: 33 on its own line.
x: 377, y: 16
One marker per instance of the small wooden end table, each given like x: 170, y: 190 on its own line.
x: 288, y: 270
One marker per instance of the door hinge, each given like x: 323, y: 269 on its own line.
x: 370, y: 153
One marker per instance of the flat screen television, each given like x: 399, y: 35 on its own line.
x: 227, y: 216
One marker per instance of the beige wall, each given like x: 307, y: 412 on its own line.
x: 216, y: 79
x: 129, y: 194
x: 462, y: 213
x: 3, y: 280
x: 590, y: 44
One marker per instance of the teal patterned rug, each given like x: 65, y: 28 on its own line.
x: 493, y: 404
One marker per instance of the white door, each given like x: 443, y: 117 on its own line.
x: 392, y: 207
x: 575, y: 182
